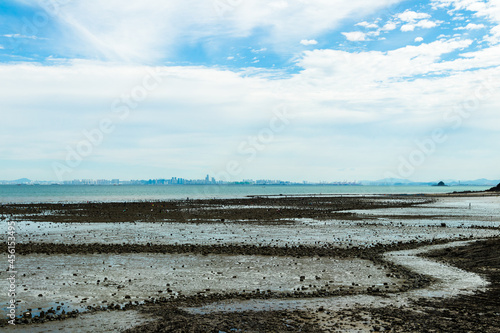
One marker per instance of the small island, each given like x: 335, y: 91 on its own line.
x: 441, y: 183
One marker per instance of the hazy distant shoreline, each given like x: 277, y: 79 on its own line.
x: 127, y: 193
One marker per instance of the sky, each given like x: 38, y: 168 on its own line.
x: 324, y: 90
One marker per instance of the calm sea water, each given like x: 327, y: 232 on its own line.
x: 68, y: 193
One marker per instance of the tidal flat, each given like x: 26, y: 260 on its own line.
x: 310, y: 264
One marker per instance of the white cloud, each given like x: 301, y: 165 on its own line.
x: 144, y: 31
x: 367, y: 25
x: 279, y: 4
x: 83, y: 93
x: 472, y: 5
x: 389, y: 26
x: 363, y: 24
x: 414, y: 20
x: 494, y: 37
x: 338, y: 99
x: 302, y: 19
x: 419, y: 39
x: 259, y: 50
x: 373, y: 33
x: 382, y: 66
x: 355, y: 36
x: 471, y: 26
x: 426, y: 24
x: 408, y: 27
x: 411, y: 16
x: 21, y: 36
x: 308, y: 42
x: 489, y: 10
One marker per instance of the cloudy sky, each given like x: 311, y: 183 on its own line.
x: 318, y: 90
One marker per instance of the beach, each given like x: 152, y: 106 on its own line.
x: 257, y: 264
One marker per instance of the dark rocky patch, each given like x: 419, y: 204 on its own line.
x: 495, y: 188
x: 175, y: 320
x: 201, y: 211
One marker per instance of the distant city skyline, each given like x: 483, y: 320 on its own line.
x: 163, y: 181
x: 212, y: 181
x: 288, y: 89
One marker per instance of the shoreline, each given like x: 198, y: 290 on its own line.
x: 201, y: 194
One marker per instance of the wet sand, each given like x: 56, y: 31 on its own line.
x: 477, y: 312
x: 310, y: 264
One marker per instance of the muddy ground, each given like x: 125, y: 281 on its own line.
x: 474, y: 313
x: 250, y: 209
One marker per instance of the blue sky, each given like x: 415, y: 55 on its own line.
x: 285, y: 89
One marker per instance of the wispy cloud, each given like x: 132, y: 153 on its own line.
x: 355, y: 36
x: 149, y: 30
x: 308, y: 42
x: 471, y: 26
x: 411, y: 16
x: 22, y: 36
x: 488, y: 10
x: 367, y: 25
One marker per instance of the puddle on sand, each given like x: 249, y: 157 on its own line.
x: 97, y: 322
x: 78, y: 281
x: 452, y: 282
x: 469, y: 210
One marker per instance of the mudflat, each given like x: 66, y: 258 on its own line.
x: 260, y: 264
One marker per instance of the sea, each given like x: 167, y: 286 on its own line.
x: 119, y: 193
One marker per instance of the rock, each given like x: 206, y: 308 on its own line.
x: 495, y: 188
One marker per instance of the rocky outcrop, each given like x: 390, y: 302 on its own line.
x: 495, y: 189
